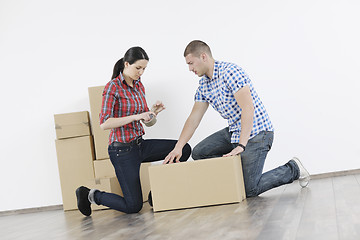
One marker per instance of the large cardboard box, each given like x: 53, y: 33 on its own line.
x: 197, y: 183
x: 75, y: 160
x: 104, y: 169
x: 101, y: 137
x: 69, y: 125
x: 110, y: 185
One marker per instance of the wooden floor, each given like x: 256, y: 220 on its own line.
x: 328, y: 209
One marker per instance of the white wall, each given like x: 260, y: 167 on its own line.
x: 303, y: 57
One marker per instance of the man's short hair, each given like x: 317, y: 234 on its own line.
x: 197, y: 47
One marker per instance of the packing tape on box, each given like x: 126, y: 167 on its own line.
x: 58, y: 126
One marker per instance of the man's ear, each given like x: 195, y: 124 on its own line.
x: 203, y: 57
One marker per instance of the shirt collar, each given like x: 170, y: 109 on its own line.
x: 122, y: 79
x: 215, y: 72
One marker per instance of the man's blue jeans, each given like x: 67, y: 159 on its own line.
x: 253, y: 159
x: 126, y: 161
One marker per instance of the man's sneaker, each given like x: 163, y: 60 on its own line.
x: 304, y: 177
x: 83, y: 202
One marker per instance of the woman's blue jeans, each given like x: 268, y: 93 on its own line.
x: 126, y: 161
x: 253, y: 159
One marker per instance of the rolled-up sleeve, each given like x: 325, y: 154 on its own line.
x: 108, y: 102
x: 199, y: 97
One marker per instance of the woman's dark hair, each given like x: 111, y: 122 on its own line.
x: 131, y: 56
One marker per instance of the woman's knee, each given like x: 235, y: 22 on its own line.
x: 134, y: 208
x: 186, y: 152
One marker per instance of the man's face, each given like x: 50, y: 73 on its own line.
x: 196, y: 64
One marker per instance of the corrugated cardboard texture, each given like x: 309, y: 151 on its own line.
x: 75, y: 160
x: 70, y: 125
x: 197, y: 183
x: 101, y: 137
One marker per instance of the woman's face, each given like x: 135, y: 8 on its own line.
x: 135, y: 70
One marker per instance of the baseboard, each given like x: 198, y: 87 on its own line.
x: 31, y: 210
x: 335, y: 174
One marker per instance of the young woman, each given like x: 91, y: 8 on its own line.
x: 124, y: 107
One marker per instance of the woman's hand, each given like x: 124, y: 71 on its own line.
x: 157, y: 107
x: 145, y: 116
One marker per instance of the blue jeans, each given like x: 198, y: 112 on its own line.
x: 253, y: 159
x: 126, y: 161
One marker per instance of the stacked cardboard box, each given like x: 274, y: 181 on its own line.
x: 197, y: 183
x: 102, y: 163
x: 70, y: 125
x: 75, y: 153
x: 101, y: 137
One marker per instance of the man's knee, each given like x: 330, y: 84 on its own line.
x: 251, y: 194
x: 251, y: 190
x: 198, y: 152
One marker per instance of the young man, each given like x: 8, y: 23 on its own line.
x: 228, y: 89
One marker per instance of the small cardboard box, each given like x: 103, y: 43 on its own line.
x: 197, y: 183
x: 101, y: 137
x: 70, y: 125
x: 75, y: 160
x: 110, y: 185
x: 104, y: 169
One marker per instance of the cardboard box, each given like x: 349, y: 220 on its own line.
x: 110, y: 185
x: 104, y: 169
x: 75, y: 160
x: 70, y: 125
x: 101, y: 137
x: 197, y: 183
x: 144, y: 179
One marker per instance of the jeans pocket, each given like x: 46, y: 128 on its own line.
x: 270, y: 139
x: 270, y: 144
x: 258, y: 138
x: 118, y: 151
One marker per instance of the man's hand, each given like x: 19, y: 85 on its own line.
x: 189, y: 128
x: 173, y: 156
x: 234, y: 152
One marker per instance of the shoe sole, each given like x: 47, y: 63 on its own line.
x: 77, y: 192
x: 304, y: 179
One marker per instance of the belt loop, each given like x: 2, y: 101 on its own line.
x: 138, y: 140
